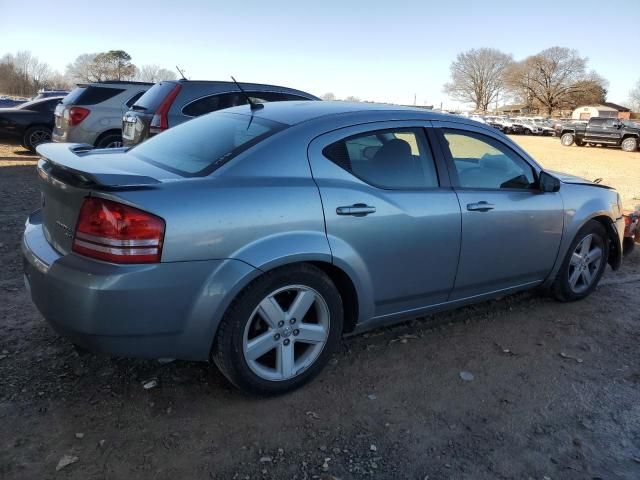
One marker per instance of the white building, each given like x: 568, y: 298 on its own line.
x: 586, y: 112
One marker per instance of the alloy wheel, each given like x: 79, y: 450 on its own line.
x: 38, y: 137
x: 286, y: 333
x: 584, y: 264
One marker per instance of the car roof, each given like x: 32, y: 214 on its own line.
x: 294, y: 112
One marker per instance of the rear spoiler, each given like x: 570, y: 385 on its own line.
x: 72, y: 163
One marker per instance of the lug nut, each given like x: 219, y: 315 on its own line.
x: 276, y: 337
x: 281, y: 323
x: 292, y: 321
x: 286, y: 341
x: 296, y: 332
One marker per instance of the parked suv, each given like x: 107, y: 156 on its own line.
x: 173, y: 102
x: 93, y: 113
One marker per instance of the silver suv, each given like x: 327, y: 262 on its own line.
x: 170, y: 103
x: 93, y: 113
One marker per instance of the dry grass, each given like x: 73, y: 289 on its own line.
x: 617, y: 169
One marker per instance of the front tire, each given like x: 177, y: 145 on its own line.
x: 629, y: 144
x: 567, y: 139
x: 584, y: 264
x: 280, y: 331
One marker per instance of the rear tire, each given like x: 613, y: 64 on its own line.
x: 567, y: 139
x: 35, y: 136
x: 258, y: 352
x: 112, y: 140
x: 584, y: 263
x: 629, y: 144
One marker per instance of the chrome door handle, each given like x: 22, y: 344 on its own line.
x: 480, y: 206
x: 357, y: 210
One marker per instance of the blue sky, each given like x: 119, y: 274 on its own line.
x: 376, y: 50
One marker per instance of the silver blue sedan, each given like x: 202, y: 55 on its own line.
x: 256, y: 238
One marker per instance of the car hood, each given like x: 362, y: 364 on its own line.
x: 567, y: 178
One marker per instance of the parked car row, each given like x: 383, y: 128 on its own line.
x: 116, y: 113
x: 518, y: 125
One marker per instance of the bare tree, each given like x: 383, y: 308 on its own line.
x: 24, y: 74
x: 477, y: 76
x: 154, y: 73
x: 114, y: 65
x: 82, y: 69
x: 328, y: 96
x: 634, y: 97
x: 549, y: 78
x: 100, y: 67
x: 351, y: 98
x: 590, y: 91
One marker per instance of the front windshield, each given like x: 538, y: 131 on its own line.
x: 631, y: 123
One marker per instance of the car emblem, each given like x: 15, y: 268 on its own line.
x: 65, y: 228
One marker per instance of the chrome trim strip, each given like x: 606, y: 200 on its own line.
x: 117, y: 243
x: 117, y: 251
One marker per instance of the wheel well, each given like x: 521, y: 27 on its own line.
x: 114, y: 131
x: 43, y: 125
x: 615, y: 253
x: 347, y: 291
x: 630, y: 135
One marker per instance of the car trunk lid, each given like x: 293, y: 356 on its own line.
x: 70, y: 172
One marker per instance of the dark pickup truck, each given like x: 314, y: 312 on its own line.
x: 602, y: 131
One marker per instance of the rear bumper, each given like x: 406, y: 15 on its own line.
x: 73, y: 135
x: 158, y: 310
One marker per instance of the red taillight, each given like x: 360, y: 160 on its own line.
x: 77, y: 115
x: 159, y: 122
x: 117, y: 233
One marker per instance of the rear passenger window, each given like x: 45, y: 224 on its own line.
x: 483, y: 162
x: 213, y: 103
x: 392, y: 159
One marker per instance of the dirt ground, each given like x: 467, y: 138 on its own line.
x: 555, y: 391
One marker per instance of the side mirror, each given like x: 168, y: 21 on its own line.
x: 548, y: 183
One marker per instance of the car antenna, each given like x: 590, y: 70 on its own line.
x: 181, y: 72
x: 253, y: 105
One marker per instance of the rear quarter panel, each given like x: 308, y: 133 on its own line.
x: 262, y: 208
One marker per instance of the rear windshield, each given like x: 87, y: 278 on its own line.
x: 91, y: 95
x: 154, y: 97
x: 200, y: 146
x: 74, y: 95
